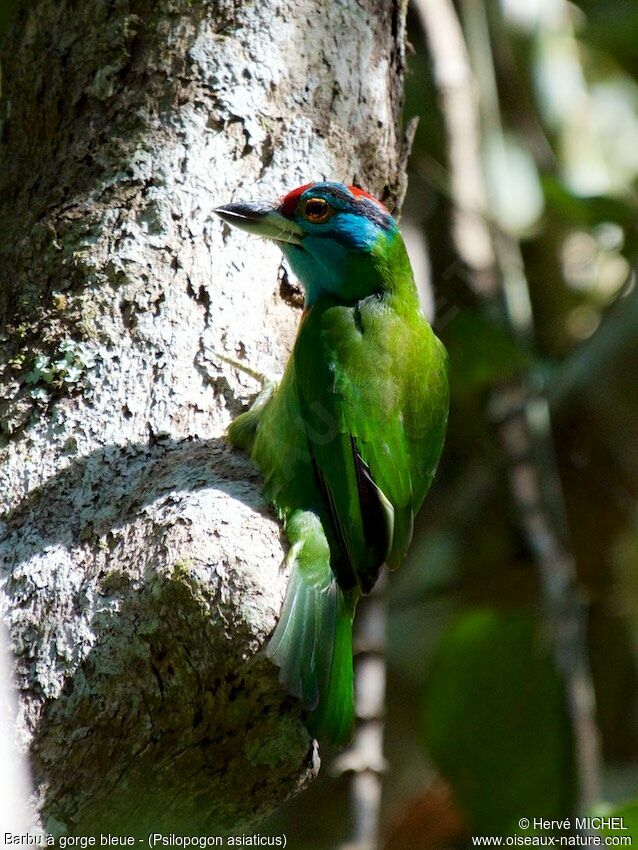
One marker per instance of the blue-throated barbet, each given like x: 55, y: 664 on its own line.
x: 349, y: 441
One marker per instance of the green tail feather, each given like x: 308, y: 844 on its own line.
x: 312, y: 643
x: 333, y: 717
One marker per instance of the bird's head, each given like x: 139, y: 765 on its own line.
x: 338, y: 239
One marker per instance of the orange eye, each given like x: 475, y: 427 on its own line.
x: 316, y: 210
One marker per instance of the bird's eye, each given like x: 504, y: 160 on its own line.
x: 316, y: 210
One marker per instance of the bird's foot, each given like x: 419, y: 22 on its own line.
x: 268, y: 380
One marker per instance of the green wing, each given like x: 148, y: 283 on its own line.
x: 348, y: 444
x: 372, y: 387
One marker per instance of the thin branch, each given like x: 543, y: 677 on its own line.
x: 455, y: 82
x: 590, y: 359
x: 364, y: 759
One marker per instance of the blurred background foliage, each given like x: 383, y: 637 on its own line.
x: 478, y: 734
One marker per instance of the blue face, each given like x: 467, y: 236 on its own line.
x: 342, y: 233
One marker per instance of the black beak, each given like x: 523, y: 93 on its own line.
x: 262, y: 219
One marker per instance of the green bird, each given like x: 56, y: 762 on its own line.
x: 349, y: 441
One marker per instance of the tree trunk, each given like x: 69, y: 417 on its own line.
x: 142, y: 568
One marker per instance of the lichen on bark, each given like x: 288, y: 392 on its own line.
x: 142, y: 571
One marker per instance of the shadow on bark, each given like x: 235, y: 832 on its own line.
x: 168, y: 699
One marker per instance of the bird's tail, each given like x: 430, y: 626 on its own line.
x: 312, y: 643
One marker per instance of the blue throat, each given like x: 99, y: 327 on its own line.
x: 343, y: 263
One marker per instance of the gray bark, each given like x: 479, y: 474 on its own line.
x: 141, y: 567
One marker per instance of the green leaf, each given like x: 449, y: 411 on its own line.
x: 495, y: 722
x: 587, y: 211
x: 482, y: 352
